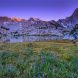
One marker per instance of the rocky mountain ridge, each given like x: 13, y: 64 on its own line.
x: 35, y: 26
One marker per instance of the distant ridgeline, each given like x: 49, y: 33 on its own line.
x: 63, y: 28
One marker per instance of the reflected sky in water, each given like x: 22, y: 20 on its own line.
x: 14, y: 39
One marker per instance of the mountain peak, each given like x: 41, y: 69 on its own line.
x: 4, y: 19
x: 17, y: 19
x: 75, y: 14
x: 33, y: 19
x: 76, y: 9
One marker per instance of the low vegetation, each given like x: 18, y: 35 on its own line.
x: 53, y: 59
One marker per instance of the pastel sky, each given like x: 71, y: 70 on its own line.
x: 43, y: 9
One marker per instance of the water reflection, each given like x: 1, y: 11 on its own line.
x: 4, y: 39
x: 24, y: 38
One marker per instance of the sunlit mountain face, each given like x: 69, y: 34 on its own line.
x: 17, y: 19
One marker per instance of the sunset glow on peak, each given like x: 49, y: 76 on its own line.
x: 17, y: 19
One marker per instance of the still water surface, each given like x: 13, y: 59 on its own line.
x: 14, y: 39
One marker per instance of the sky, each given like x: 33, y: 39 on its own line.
x: 43, y: 9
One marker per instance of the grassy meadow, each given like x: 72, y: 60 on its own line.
x: 52, y: 59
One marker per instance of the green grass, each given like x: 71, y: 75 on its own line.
x: 52, y: 59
